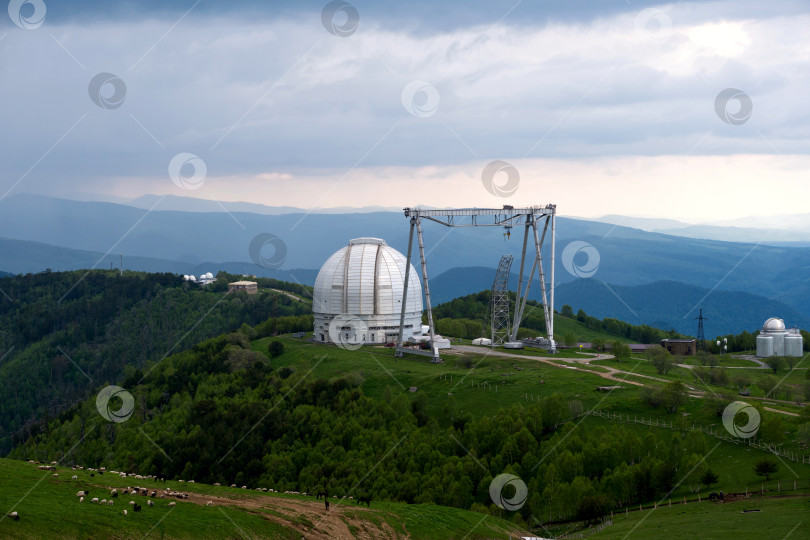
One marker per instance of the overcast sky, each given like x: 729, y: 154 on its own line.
x: 691, y: 110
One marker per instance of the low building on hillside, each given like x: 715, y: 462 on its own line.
x: 640, y: 348
x: 250, y: 287
x: 680, y: 347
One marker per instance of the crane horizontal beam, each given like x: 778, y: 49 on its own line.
x: 502, y: 216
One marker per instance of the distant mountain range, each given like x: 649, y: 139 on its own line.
x: 662, y: 304
x: 781, y: 230
x: 20, y: 257
x: 43, y: 232
x: 192, y: 204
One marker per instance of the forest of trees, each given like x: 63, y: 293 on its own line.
x: 223, y: 412
x: 61, y: 333
x: 467, y: 317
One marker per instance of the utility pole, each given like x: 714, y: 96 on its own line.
x: 701, y: 338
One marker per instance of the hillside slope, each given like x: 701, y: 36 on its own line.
x: 51, y: 510
x: 64, y: 333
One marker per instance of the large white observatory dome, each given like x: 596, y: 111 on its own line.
x: 363, y: 281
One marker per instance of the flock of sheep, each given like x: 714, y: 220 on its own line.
x: 133, y: 491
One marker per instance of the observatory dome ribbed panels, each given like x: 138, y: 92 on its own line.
x: 365, y: 279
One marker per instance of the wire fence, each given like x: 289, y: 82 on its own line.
x: 712, y: 431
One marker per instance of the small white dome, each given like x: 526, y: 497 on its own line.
x: 192, y: 278
x: 209, y: 275
x: 774, y: 325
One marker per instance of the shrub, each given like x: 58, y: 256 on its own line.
x: 275, y: 348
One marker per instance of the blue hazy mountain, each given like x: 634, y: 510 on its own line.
x: 20, y: 257
x: 663, y: 304
x: 628, y: 256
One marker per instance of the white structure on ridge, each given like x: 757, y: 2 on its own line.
x: 775, y: 340
x: 362, y: 284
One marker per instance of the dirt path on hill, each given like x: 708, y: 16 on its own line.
x: 344, y: 521
x: 610, y: 375
x: 291, y: 295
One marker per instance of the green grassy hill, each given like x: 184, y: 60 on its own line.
x: 754, y: 518
x: 48, y: 508
x: 424, y: 441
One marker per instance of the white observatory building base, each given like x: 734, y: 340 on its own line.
x: 775, y: 340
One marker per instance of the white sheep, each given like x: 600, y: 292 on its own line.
x: 209, y: 503
x: 74, y: 477
x: 81, y: 493
x: 15, y: 516
x: 81, y: 499
x: 172, y: 504
x: 150, y: 503
x: 110, y: 502
x: 103, y: 501
x: 114, y: 492
x: 94, y: 500
x: 125, y: 512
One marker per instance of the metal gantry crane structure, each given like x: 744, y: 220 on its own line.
x: 508, y: 217
x: 500, y: 302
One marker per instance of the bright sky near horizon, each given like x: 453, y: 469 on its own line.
x: 694, y: 110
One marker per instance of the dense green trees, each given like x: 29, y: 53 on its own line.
x: 63, y: 332
x: 473, y: 308
x: 219, y: 412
